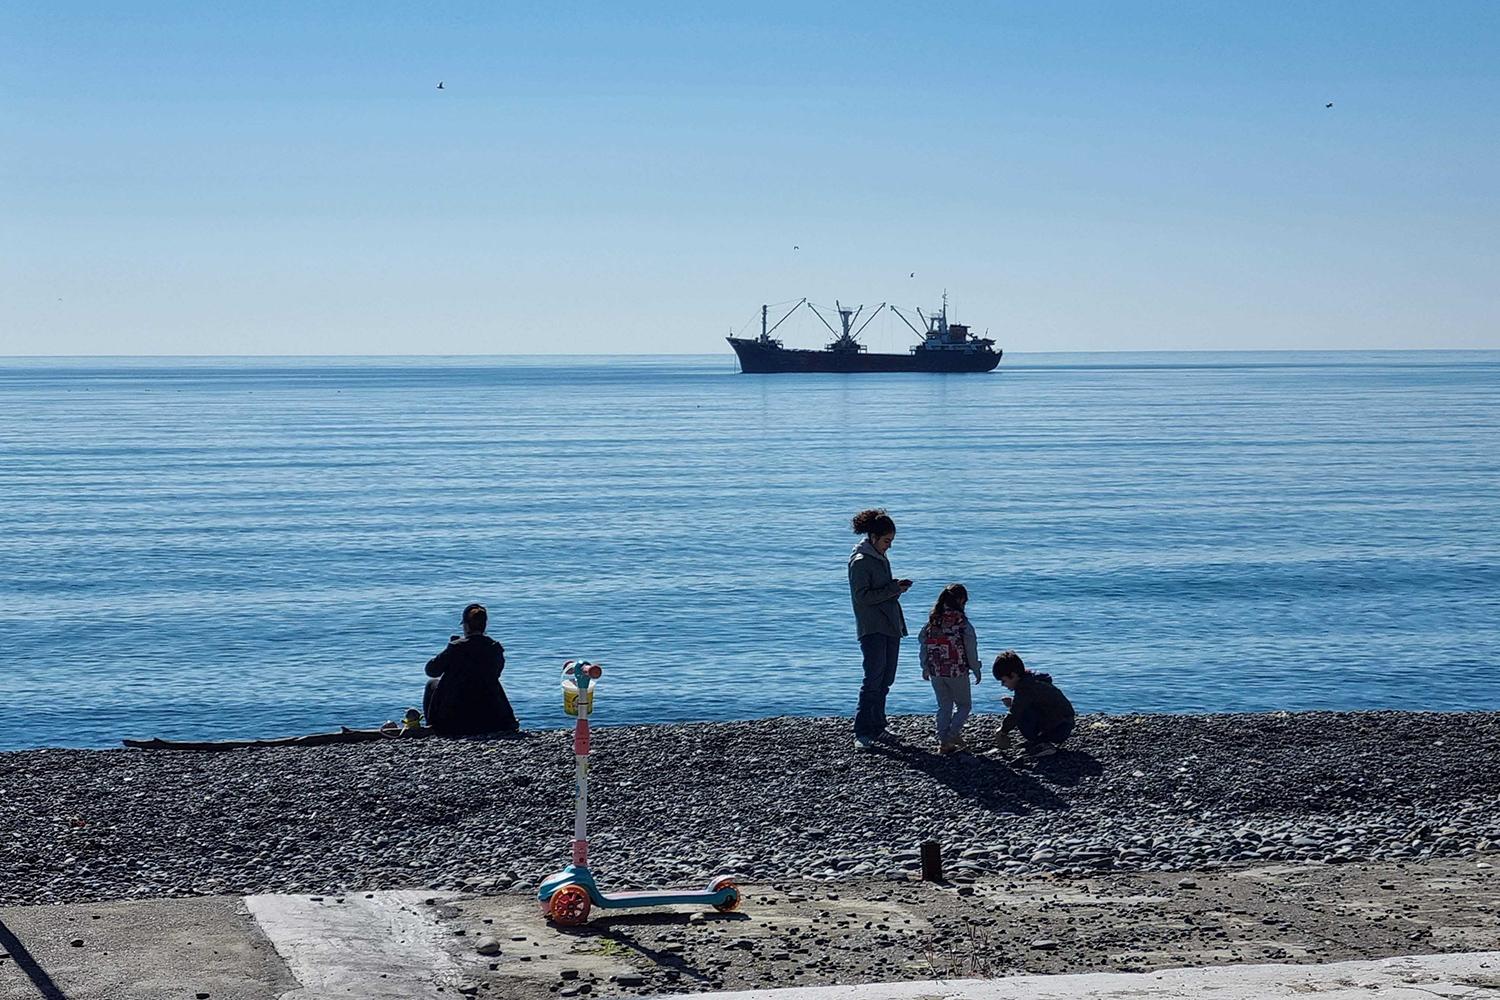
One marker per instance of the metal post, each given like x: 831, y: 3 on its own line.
x: 932, y: 861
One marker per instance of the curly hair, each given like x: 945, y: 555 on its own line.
x: 874, y: 521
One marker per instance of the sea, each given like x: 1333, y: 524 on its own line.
x: 212, y: 548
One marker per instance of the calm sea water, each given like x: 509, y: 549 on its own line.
x: 224, y: 547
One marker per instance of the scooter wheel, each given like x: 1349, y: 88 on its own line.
x: 733, y: 902
x: 569, y: 905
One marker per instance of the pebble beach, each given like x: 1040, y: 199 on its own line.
x: 784, y: 798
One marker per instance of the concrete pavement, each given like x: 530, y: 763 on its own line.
x: 1217, y: 933
x: 1474, y: 976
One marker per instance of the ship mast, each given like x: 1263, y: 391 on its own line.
x: 765, y: 334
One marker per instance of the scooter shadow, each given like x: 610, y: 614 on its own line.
x: 616, y: 927
x: 606, y: 922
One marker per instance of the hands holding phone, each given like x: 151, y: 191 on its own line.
x: 904, y: 584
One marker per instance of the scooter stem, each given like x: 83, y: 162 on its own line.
x: 581, y: 755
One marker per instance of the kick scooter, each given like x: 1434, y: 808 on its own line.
x: 566, y: 896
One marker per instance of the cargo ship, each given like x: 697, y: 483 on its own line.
x: 944, y: 346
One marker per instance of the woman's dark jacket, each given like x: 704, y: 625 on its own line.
x: 1039, y: 710
x: 467, y: 698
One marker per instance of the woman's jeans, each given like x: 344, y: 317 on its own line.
x: 880, y: 673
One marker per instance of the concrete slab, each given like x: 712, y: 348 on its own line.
x: 138, y: 950
x: 375, y: 946
x: 791, y: 936
x: 1452, y: 977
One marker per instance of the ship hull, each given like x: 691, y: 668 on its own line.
x: 756, y: 359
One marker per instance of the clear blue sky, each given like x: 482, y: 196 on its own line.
x: 631, y: 178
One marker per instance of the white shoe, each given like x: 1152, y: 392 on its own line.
x: 863, y: 743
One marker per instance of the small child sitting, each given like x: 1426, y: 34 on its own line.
x: 1038, y: 709
x: 949, y: 652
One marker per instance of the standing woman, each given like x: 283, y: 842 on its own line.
x: 876, y: 595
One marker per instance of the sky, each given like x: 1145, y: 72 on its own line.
x: 287, y: 178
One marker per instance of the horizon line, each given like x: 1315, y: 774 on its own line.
x: 730, y: 355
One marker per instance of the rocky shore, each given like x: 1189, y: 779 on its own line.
x: 771, y: 800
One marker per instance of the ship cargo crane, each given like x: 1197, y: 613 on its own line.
x: 848, y: 340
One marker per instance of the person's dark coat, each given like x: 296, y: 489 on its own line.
x: 875, y: 593
x: 1039, y: 710
x: 466, y: 698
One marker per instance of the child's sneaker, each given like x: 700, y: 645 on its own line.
x: 862, y: 742
x: 1041, y: 748
x: 946, y: 748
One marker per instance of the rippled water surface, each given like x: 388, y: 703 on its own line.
x: 223, y: 547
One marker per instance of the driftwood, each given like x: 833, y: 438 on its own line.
x: 344, y: 735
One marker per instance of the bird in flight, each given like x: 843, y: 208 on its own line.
x: 1328, y: 105
x: 796, y: 248
x: 440, y: 85
x: 913, y: 274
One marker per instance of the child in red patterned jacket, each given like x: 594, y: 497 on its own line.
x: 949, y: 653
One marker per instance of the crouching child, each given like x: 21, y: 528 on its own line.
x: 1038, y: 709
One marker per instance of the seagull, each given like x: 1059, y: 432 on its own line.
x: 440, y: 85
x: 912, y: 275
x: 1328, y: 105
x: 796, y: 248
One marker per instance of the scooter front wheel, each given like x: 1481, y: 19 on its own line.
x: 569, y: 905
x: 733, y: 902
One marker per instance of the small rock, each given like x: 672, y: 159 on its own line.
x: 487, y: 946
x: 76, y: 942
x: 1044, y: 944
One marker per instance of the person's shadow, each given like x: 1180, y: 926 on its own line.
x: 997, y: 783
x: 1066, y: 767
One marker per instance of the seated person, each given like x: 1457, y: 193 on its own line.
x: 1038, y: 709
x: 464, y: 697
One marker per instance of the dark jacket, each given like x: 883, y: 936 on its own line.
x: 874, y: 593
x: 467, y: 698
x: 1039, y: 710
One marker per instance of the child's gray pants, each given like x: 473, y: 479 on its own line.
x: 953, y: 705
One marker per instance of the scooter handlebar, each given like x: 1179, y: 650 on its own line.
x: 573, y: 667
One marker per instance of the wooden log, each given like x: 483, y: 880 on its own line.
x: 344, y: 735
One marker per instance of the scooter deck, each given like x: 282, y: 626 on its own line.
x: 685, y: 897
x: 578, y: 875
